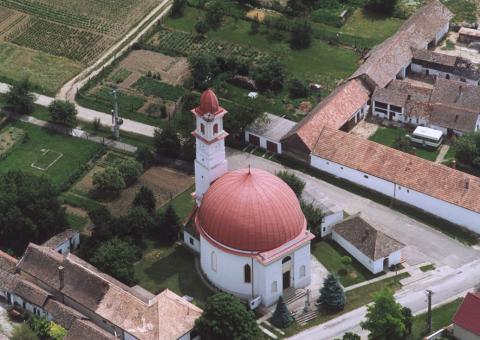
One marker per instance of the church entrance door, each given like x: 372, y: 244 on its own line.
x: 286, y: 280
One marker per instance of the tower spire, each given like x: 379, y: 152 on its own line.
x: 210, y: 161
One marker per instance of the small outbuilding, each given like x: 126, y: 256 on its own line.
x: 466, y: 322
x: 64, y: 242
x: 267, y: 131
x: 371, y: 247
x: 468, y: 35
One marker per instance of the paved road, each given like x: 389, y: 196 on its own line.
x: 445, y: 287
x: 89, y: 115
x: 422, y: 242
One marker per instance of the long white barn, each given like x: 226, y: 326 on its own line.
x: 437, y: 189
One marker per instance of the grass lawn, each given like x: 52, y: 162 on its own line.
x: 170, y: 267
x: 387, y: 136
x: 76, y: 152
x: 450, y: 153
x: 330, y: 253
x: 76, y: 222
x: 369, y: 24
x: 47, y: 72
x: 441, y: 317
x: 427, y: 267
x: 183, y: 204
x: 321, y: 62
x: 355, y: 298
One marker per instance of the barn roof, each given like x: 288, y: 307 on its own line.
x: 406, y: 170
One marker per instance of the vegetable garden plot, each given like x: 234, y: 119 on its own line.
x: 47, y: 159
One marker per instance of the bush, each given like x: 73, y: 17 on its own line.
x: 301, y: 35
x: 63, y: 112
x: 201, y: 27
x: 109, y: 181
x: 293, y: 181
x: 129, y: 169
x: 314, y: 217
x: 96, y: 124
x: 298, y: 89
x: 178, y: 7
x: 23, y: 332
x: 145, y: 199
x: 270, y: 75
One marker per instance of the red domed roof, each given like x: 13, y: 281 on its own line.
x: 208, y: 104
x: 251, y: 210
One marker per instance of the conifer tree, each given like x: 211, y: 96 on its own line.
x: 169, y: 225
x: 332, y: 295
x: 282, y: 317
x: 145, y: 199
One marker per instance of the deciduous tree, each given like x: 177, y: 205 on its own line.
x: 384, y: 318
x: 314, y: 216
x: 130, y: 170
x: 63, y: 112
x: 20, y: 98
x: 270, y: 75
x: 225, y: 317
x: 109, y: 181
x: 145, y: 199
x: 167, y: 142
x: 293, y: 181
x: 301, y: 35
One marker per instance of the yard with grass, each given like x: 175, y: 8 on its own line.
x: 355, y: 298
x: 329, y: 253
x: 388, y: 135
x: 441, y: 317
x: 75, y: 154
x: 369, y: 24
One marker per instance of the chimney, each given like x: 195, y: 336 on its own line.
x: 61, y: 276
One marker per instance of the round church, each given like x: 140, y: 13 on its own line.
x: 248, y: 224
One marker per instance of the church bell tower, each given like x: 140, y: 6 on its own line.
x: 210, y: 161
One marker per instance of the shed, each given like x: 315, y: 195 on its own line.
x: 468, y: 35
x: 267, y: 131
x: 64, y: 242
x: 371, y: 247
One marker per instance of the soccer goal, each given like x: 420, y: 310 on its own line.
x: 46, y: 159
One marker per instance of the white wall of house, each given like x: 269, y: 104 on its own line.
x: 69, y: 245
x: 463, y: 334
x: 373, y: 266
x: 30, y: 307
x: 440, y: 34
x: 420, y: 69
x: 301, y: 257
x: 191, y: 241
x: 328, y: 221
x: 477, y: 124
x: 398, y: 116
x: 263, y: 141
x: 443, y: 209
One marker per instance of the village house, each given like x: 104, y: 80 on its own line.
x: 89, y: 303
x: 449, y: 106
x: 468, y: 35
x: 466, y: 321
x: 368, y: 245
x: 432, y: 187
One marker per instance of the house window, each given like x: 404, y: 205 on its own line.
x: 286, y: 259
x: 191, y: 241
x: 408, y: 190
x: 215, y: 128
x: 302, y: 271
x: 213, y: 261
x: 341, y: 167
x: 247, y: 273
x: 202, y: 128
x: 274, y: 287
x: 366, y: 176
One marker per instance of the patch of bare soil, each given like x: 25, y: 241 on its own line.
x: 85, y: 185
x: 172, y: 70
x: 364, y: 129
x: 164, y: 182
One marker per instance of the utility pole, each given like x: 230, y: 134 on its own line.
x: 116, y: 121
x: 429, y: 312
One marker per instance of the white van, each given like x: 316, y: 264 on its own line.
x: 427, y: 137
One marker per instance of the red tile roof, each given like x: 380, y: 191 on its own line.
x: 333, y: 112
x: 395, y: 166
x: 468, y: 314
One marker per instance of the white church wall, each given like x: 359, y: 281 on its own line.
x: 443, y: 209
x: 301, y: 257
x: 395, y: 258
x: 272, y: 273
x: 229, y: 273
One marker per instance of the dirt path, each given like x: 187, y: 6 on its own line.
x: 441, y: 155
x: 69, y: 90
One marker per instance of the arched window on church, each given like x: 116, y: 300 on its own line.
x: 274, y: 287
x: 286, y: 259
x: 215, y: 128
x: 202, y: 128
x: 214, y: 261
x: 302, y: 271
x: 247, y: 273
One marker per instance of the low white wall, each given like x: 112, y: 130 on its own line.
x: 263, y: 141
x: 443, y: 209
x: 328, y: 221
